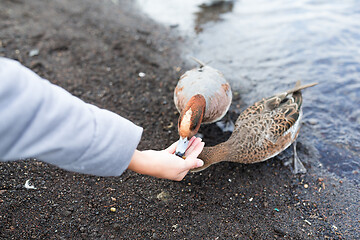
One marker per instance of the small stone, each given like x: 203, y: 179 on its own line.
x: 113, y: 209
x: 279, y: 230
x: 163, y: 196
x: 29, y: 185
x: 113, y: 199
x: 33, y: 52
x: 141, y: 74
x: 116, y: 227
x: 170, y: 125
x: 251, y: 199
x: 312, y: 121
x: 307, y: 222
x: 66, y: 213
x: 306, y: 185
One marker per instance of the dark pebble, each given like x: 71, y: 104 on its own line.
x: 116, y: 227
x: 66, y: 213
x: 279, y: 230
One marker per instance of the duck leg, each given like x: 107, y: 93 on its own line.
x: 295, y: 164
x: 199, y: 135
x: 226, y: 125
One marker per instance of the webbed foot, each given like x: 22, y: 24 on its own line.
x: 226, y: 125
x: 199, y: 135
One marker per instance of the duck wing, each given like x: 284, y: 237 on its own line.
x: 262, y: 131
x: 279, y: 112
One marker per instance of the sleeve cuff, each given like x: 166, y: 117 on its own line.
x: 114, y: 141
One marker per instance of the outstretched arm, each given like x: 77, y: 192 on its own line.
x: 43, y: 121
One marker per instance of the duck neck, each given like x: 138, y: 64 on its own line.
x: 215, y: 154
x: 229, y: 151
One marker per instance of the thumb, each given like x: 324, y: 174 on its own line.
x: 191, y: 163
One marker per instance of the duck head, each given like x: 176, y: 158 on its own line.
x: 189, y: 122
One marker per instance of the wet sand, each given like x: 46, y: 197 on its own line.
x: 96, y: 50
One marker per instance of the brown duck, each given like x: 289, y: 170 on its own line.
x: 202, y: 95
x: 262, y: 131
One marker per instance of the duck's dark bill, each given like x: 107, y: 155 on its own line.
x: 179, y: 154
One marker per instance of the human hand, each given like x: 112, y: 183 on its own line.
x: 165, y: 164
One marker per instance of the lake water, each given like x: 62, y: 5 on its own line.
x: 264, y: 47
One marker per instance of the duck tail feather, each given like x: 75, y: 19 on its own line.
x: 298, y: 87
x: 202, y: 64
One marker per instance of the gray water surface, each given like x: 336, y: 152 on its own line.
x: 264, y: 47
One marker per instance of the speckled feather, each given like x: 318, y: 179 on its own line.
x: 262, y: 131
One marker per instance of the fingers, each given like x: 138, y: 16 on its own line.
x: 192, y: 153
x: 193, y: 145
x: 191, y: 141
x: 195, y: 149
x: 172, y: 148
x: 192, y: 163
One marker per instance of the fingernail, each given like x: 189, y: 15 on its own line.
x: 200, y: 163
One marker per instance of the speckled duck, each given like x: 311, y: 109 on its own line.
x: 262, y: 131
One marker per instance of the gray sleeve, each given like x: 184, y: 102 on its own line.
x: 43, y: 121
